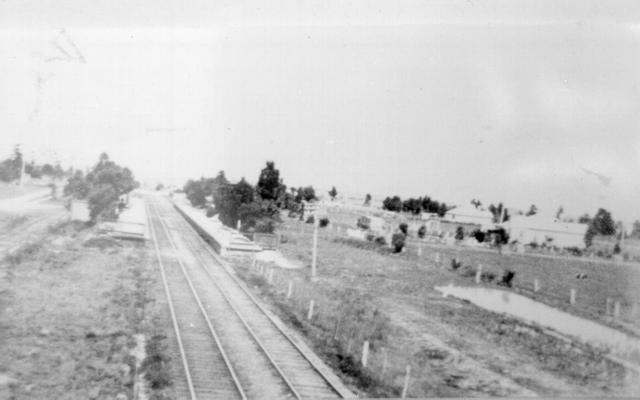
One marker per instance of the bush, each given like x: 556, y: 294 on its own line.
x: 323, y: 222
x: 397, y: 241
x: 422, y: 231
x: 370, y: 237
x: 210, y: 211
x: 404, y: 228
x: 507, y: 278
x: 310, y: 220
x: 459, y: 233
x: 381, y: 240
x: 478, y: 235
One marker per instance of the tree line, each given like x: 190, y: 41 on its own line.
x: 11, y: 168
x: 414, y: 205
x: 256, y: 207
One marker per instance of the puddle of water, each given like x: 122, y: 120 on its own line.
x: 619, y: 343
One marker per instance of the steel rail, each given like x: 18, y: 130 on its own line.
x: 213, y: 332
x: 226, y: 268
x: 261, y: 345
x: 171, y: 309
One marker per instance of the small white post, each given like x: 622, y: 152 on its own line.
x: 270, y: 276
x: 365, y: 353
x: 239, y: 225
x: 478, y: 274
x: 420, y: 250
x: 616, y: 309
x: 572, y: 297
x: 254, y: 261
x: 405, y: 387
x: 289, y: 290
x: 310, y: 314
x: 536, y: 285
x: 335, y: 335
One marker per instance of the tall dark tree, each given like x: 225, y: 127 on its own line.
x: 367, y: 200
x: 603, y: 224
x: 333, y: 193
x: 500, y: 213
x: 269, y: 182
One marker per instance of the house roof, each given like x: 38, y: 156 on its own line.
x: 545, y: 223
x: 470, y: 211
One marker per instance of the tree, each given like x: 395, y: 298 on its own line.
x: 77, y: 187
x: 306, y: 193
x: 404, y: 228
x: 497, y: 212
x: 584, y: 219
x: 367, y: 200
x: 11, y: 168
x: 476, y: 203
x: 392, y: 204
x: 422, y: 231
x: 195, y: 193
x: 269, y: 183
x: 559, y: 213
x: 459, y: 233
x: 533, y: 210
x: 635, y: 229
x: 102, y: 187
x: 230, y: 198
x: 333, y: 193
x: 397, y: 241
x: 603, y: 224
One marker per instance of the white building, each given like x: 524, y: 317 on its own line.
x: 468, y: 214
x: 540, y: 229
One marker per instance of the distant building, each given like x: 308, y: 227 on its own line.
x: 470, y: 215
x: 540, y: 229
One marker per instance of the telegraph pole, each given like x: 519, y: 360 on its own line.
x: 314, y: 250
x: 22, y: 167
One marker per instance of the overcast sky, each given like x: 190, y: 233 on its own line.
x: 513, y: 101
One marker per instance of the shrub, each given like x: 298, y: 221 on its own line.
x: 455, y: 264
x: 310, y: 220
x: 381, y: 240
x: 616, y: 248
x: 422, y: 231
x: 507, y: 278
x: 323, y: 222
x: 210, y: 211
x: 459, y: 233
x: 397, y: 241
x: 478, y: 235
x: 404, y: 228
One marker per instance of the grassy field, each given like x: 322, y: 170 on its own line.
x: 76, y: 316
x: 453, y: 348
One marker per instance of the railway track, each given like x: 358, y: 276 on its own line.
x: 208, y: 373
x: 268, y: 362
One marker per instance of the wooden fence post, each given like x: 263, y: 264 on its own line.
x: 365, y: 353
x: 479, y: 274
x: 572, y: 297
x: 536, y: 285
x: 310, y: 314
x: 616, y: 309
x: 384, y: 361
x: 289, y: 290
x: 405, y: 387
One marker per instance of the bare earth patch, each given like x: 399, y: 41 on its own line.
x: 72, y: 317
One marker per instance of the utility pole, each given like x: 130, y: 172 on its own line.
x: 22, y: 167
x: 314, y: 250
